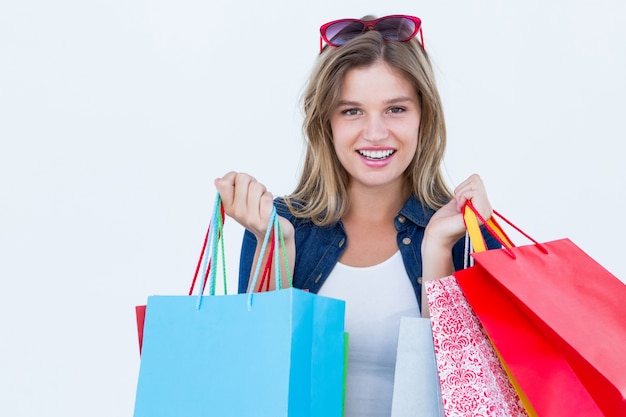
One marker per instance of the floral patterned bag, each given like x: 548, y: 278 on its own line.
x: 473, y: 380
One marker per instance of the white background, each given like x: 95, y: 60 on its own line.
x: 116, y: 116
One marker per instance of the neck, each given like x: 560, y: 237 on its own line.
x: 376, y: 203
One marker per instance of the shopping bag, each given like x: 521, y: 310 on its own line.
x: 473, y: 381
x: 140, y: 315
x: 573, y: 303
x: 283, y: 357
x: 416, y: 389
x: 276, y: 353
x: 541, y: 374
x: 536, y: 369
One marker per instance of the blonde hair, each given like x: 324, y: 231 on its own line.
x: 322, y: 191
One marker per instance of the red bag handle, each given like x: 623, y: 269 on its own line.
x: 264, y: 285
x: 471, y: 216
x: 204, y: 246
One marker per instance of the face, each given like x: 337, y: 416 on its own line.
x: 375, y: 125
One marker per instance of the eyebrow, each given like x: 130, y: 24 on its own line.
x: 395, y: 100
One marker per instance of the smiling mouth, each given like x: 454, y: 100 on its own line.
x: 377, y: 155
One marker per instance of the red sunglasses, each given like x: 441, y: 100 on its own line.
x: 396, y: 28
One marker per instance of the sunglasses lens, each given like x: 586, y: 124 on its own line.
x: 341, y: 32
x: 397, y: 28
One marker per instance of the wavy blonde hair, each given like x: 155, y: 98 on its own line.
x: 322, y: 191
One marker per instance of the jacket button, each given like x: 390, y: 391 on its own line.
x: 401, y: 219
x: 406, y: 240
x: 341, y: 242
x: 419, y: 280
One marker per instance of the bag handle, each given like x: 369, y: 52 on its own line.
x: 204, y: 248
x: 264, y: 284
x: 278, y: 245
x: 214, y: 240
x: 471, y: 216
x: 214, y: 243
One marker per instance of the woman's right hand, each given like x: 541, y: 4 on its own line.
x: 246, y: 200
x: 249, y: 203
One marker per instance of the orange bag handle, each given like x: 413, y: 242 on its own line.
x: 471, y: 217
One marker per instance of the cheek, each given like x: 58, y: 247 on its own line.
x: 339, y: 147
x: 411, y: 141
x: 335, y: 126
x: 340, y: 133
x: 415, y: 132
x: 341, y: 144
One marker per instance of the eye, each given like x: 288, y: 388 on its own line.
x: 351, y: 112
x: 396, y: 110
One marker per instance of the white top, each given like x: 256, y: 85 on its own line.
x: 376, y: 298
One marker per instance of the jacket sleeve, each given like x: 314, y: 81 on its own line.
x: 248, y: 247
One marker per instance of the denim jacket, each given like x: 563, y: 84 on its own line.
x: 319, y: 248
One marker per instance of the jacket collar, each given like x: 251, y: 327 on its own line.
x: 416, y: 212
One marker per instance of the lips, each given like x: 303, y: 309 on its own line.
x: 377, y: 155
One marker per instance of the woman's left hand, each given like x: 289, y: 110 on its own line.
x: 446, y: 226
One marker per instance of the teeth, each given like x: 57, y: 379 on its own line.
x: 376, y: 154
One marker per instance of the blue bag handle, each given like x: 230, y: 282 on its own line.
x: 279, y: 244
x: 215, y: 241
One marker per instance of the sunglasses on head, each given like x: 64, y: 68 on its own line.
x: 396, y: 28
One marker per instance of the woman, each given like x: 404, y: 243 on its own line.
x: 371, y: 218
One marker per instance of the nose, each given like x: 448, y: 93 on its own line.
x: 375, y: 129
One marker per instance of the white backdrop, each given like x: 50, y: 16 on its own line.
x: 116, y: 116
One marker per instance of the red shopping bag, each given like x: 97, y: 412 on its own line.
x: 540, y: 372
x: 549, y: 307
x: 140, y: 313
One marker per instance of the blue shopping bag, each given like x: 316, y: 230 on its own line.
x: 277, y: 353
x: 282, y: 357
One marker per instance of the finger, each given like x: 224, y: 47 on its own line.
x: 266, y: 206
x: 472, y: 183
x: 241, y: 191
x: 468, y: 189
x: 226, y: 188
x: 255, y: 197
